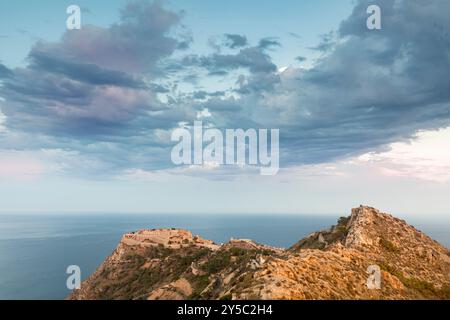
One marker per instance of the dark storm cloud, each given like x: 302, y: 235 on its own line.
x: 134, y: 44
x: 83, y: 72
x: 94, y: 80
x: 98, y: 89
x: 371, y: 87
x: 93, y: 95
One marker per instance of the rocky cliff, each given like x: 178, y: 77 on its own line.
x: 330, y: 264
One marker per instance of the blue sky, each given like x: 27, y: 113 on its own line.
x: 86, y: 115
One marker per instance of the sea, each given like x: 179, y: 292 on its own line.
x: 35, y: 250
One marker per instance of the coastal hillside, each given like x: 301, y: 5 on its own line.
x: 328, y: 264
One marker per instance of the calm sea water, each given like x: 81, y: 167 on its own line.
x: 36, y: 250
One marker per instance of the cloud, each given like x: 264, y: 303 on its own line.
x: 95, y: 82
x: 4, y: 71
x: 203, y: 94
x: 93, y: 95
x: 2, y: 121
x: 48, y: 103
x: 327, y: 41
x: 82, y: 72
x: 268, y: 43
x: 253, y: 59
x: 234, y: 41
x: 97, y: 92
x: 134, y: 44
x: 427, y: 157
x: 370, y: 88
x: 295, y: 35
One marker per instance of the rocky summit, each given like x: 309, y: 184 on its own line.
x: 331, y: 264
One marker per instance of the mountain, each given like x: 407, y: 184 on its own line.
x: 330, y: 264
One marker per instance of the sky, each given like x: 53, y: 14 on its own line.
x: 86, y: 115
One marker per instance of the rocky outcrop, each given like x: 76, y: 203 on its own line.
x: 329, y: 264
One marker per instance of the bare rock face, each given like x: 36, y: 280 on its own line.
x: 329, y: 264
x: 360, y: 227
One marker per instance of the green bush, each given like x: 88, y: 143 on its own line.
x: 423, y: 287
x: 343, y: 221
x: 217, y: 263
x: 199, y: 284
x: 388, y: 245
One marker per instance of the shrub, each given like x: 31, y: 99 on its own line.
x: 343, y: 221
x: 423, y: 287
x: 388, y: 245
x: 217, y: 263
x: 199, y: 283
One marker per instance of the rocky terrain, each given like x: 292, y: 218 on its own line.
x: 330, y: 264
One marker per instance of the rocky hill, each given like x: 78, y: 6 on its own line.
x: 330, y: 264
